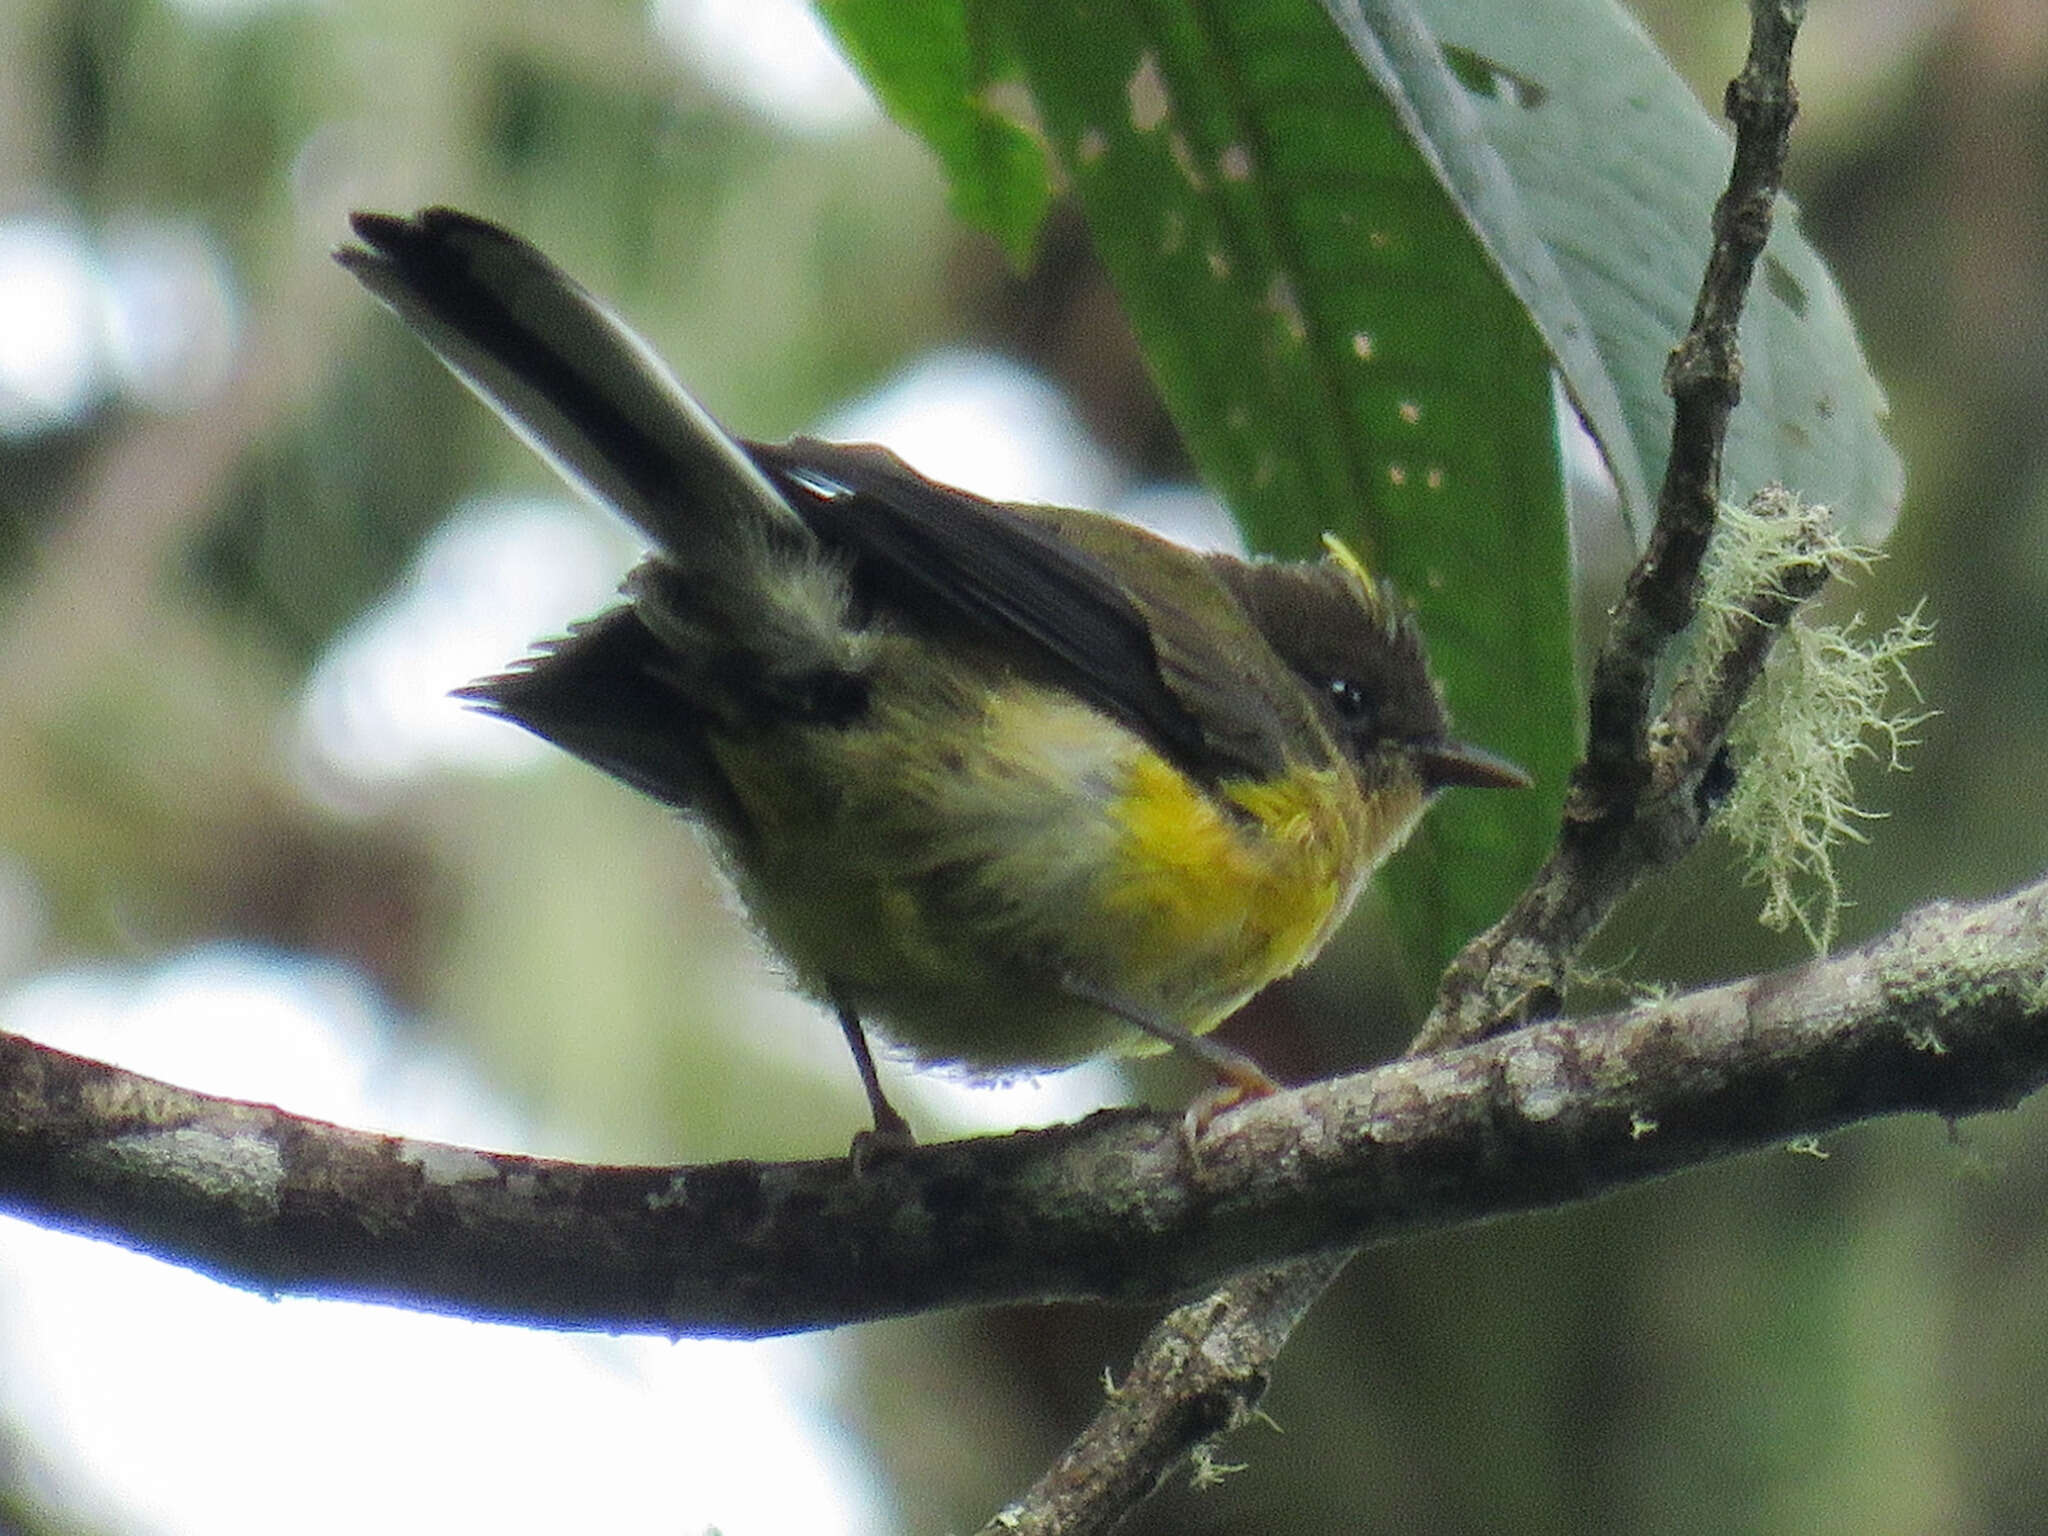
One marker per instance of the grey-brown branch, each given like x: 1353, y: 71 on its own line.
x: 1200, y: 1374
x: 1634, y: 806
x: 1948, y: 1014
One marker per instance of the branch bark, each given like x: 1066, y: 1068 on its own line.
x: 1948, y: 1014
x: 1199, y: 1375
x: 1638, y: 803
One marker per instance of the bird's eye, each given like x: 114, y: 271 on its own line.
x: 1353, y: 704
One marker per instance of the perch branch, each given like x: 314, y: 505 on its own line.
x: 1947, y: 1014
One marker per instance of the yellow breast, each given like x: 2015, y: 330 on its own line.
x: 951, y: 863
x: 1215, y: 904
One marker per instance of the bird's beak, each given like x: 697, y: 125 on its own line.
x: 1444, y: 763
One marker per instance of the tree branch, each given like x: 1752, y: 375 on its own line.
x: 1198, y: 1376
x: 1947, y: 1014
x: 1636, y: 803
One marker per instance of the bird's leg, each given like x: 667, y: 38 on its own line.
x: 892, y: 1132
x: 1238, y: 1077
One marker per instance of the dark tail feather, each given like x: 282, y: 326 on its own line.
x: 571, y: 379
x: 583, y: 389
x: 601, y: 694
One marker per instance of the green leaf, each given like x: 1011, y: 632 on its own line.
x: 1617, y: 166
x: 1340, y: 353
x: 931, y: 66
x: 1334, y: 341
x: 1392, y: 43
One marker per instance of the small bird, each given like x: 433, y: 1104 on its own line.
x: 1018, y: 785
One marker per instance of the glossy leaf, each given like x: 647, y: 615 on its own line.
x: 1616, y: 166
x: 1341, y: 354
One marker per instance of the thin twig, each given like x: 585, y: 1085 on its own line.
x: 1704, y: 378
x: 1634, y: 807
x: 1199, y: 1375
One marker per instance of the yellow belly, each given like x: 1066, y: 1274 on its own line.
x: 1213, y: 905
x: 948, y: 881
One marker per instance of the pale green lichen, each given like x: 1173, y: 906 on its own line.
x: 1649, y: 993
x: 1824, y: 700
x: 1611, y: 979
x: 1922, y: 1038
x: 1208, y: 1472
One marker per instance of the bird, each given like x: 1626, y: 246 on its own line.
x: 1014, y: 785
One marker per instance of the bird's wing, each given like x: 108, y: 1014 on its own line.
x: 591, y: 397
x: 950, y: 560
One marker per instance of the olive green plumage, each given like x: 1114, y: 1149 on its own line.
x: 1015, y: 782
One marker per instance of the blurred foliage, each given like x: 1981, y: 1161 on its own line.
x: 1780, y: 1344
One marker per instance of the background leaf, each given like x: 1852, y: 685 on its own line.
x: 1617, y: 166
x: 927, y: 61
x: 1397, y: 49
x: 1339, y: 352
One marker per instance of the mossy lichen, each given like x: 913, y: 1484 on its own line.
x: 1824, y: 700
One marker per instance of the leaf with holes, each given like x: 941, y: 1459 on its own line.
x: 1340, y: 353
x: 1616, y: 167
